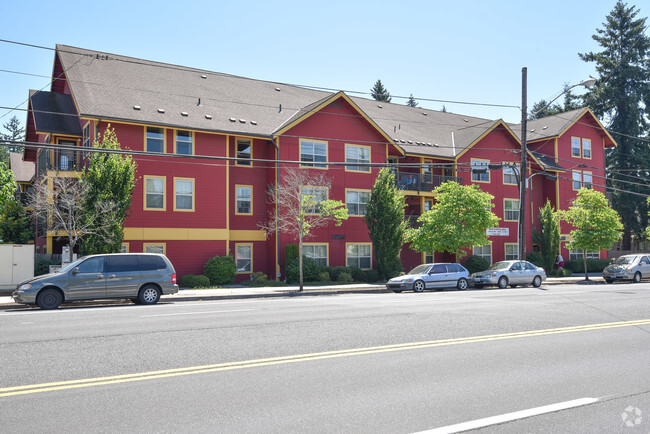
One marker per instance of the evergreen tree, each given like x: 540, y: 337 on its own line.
x: 379, y: 92
x: 549, y: 238
x: 386, y: 224
x: 621, y: 99
x: 411, y: 102
x: 109, y: 178
x: 14, y: 133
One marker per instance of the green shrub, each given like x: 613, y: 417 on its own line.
x: 358, y: 275
x: 563, y: 272
x: 195, y: 281
x: 324, y: 276
x: 593, y: 265
x: 310, y: 270
x: 260, y: 279
x: 291, y: 252
x: 336, y: 272
x: 221, y: 270
x: 372, y: 276
x: 536, y: 258
x: 474, y: 264
x: 344, y: 277
x: 42, y: 266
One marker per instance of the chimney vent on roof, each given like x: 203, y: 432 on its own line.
x: 204, y: 76
x: 436, y: 145
x: 161, y: 110
x: 425, y: 113
x: 136, y: 107
x: 545, y: 127
x: 533, y: 130
x: 465, y: 120
x: 208, y: 116
x: 184, y: 114
x: 277, y: 89
x: 242, y: 121
x: 379, y: 105
x: 280, y: 111
x: 233, y: 120
x: 199, y: 103
x: 254, y: 122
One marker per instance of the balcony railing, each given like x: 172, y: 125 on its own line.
x: 422, y: 181
x: 64, y: 160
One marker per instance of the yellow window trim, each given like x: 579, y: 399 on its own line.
x: 193, y: 194
x: 369, y: 158
x: 144, y: 143
x: 471, y: 163
x: 145, y: 245
x: 579, y: 147
x: 176, y: 141
x: 503, y: 169
x: 573, y: 180
x: 243, y: 213
x: 327, y: 196
x: 251, y: 246
x: 355, y: 189
x: 237, y: 139
x: 358, y: 244
x: 327, y: 248
x: 127, y: 246
x: 144, y: 192
x: 591, y: 149
x: 313, y: 165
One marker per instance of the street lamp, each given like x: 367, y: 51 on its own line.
x: 524, y: 150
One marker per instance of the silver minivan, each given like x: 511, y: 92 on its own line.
x: 628, y: 267
x: 140, y: 277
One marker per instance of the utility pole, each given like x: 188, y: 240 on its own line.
x: 522, y: 168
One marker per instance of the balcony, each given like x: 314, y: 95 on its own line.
x: 59, y: 160
x: 422, y: 182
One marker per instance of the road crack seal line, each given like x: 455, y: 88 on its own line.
x: 204, y: 369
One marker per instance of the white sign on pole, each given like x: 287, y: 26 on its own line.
x: 499, y: 232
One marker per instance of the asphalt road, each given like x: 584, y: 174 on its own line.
x: 564, y: 358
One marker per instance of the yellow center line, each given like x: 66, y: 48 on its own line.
x: 203, y: 369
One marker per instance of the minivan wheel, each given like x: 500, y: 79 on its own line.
x: 503, y: 282
x: 537, y: 281
x: 418, y: 286
x: 637, y: 277
x: 149, y: 295
x: 49, y: 299
x: 462, y: 284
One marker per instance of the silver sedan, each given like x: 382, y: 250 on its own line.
x: 430, y: 276
x: 511, y: 273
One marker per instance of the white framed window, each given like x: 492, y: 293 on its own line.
x: 244, y: 152
x: 511, y: 251
x: 318, y: 252
x: 586, y: 148
x: 586, y: 179
x: 244, y: 258
x: 184, y: 142
x: 577, y: 254
x: 355, y: 154
x: 575, y: 146
x: 510, y: 175
x: 154, y: 248
x: 357, y: 201
x: 155, y: 138
x: 183, y: 194
x: 316, y: 195
x: 244, y: 199
x: 124, y: 248
x: 484, y: 172
x: 577, y: 179
x: 484, y: 252
x: 154, y: 192
x: 511, y: 210
x: 358, y: 255
x: 312, y: 152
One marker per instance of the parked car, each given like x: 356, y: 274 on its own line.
x: 429, y: 276
x: 628, y: 267
x: 141, y: 277
x: 511, y: 273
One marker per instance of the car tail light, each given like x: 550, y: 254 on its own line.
x: 174, y: 279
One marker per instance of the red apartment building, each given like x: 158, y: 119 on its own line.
x: 216, y: 142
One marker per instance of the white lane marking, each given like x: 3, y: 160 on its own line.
x: 509, y: 417
x: 197, y: 313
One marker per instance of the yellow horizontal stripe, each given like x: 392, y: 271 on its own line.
x: 142, y: 376
x: 191, y: 234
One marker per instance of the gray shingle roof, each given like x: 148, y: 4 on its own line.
x: 550, y: 126
x: 54, y: 113
x: 23, y: 170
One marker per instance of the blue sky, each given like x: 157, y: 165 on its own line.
x: 470, y: 51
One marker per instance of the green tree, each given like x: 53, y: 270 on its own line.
x: 411, y: 102
x: 597, y: 226
x: 549, y: 238
x: 15, y: 226
x: 108, y: 179
x: 300, y: 205
x: 8, y: 185
x: 379, y: 92
x: 14, y: 133
x: 621, y: 99
x: 543, y: 108
x: 458, y: 219
x: 386, y: 224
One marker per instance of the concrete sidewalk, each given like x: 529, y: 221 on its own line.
x: 241, y: 292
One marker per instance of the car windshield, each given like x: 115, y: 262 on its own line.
x: 419, y: 269
x: 503, y: 265
x: 623, y: 260
x: 71, y: 265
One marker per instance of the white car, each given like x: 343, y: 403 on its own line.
x: 430, y: 276
x: 511, y: 273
